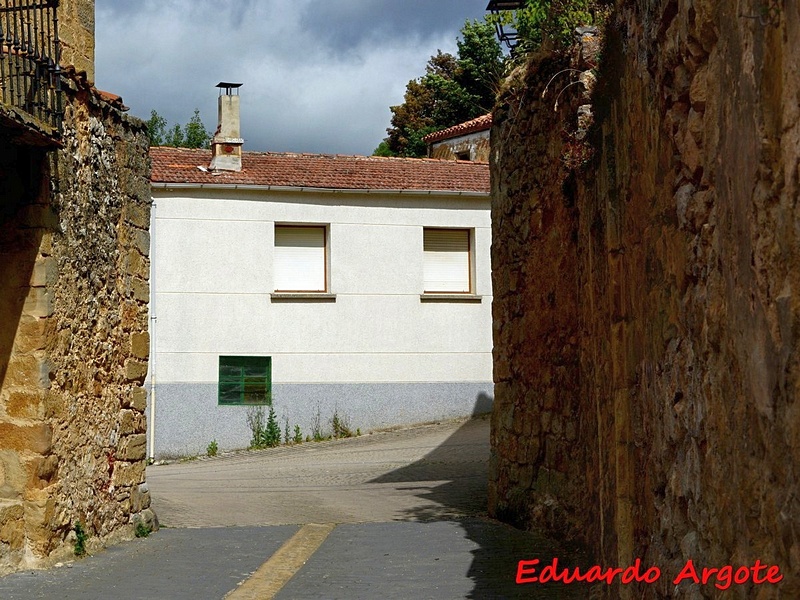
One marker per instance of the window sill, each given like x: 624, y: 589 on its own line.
x: 302, y: 297
x: 451, y: 298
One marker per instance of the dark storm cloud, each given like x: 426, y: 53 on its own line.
x: 319, y: 75
x: 344, y: 24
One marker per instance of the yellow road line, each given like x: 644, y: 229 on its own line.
x: 270, y: 577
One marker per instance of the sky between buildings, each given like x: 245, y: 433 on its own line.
x: 318, y: 75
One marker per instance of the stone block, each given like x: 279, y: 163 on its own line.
x: 150, y: 519
x: 140, y: 289
x: 140, y: 240
x: 38, y: 514
x: 140, y: 498
x: 698, y: 92
x: 135, y: 370
x: 35, y: 438
x: 127, y: 474
x: 28, y: 371
x: 85, y: 15
x: 131, y: 421
x: 12, y: 524
x: 138, y: 215
x: 48, y: 468
x: 45, y: 272
x: 132, y: 447
x: 46, y: 244
x: 25, y: 405
x: 140, y: 344
x: 30, y: 334
x: 139, y: 399
x: 13, y: 477
x: 38, y: 303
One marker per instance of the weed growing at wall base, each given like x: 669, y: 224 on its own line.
x: 79, y: 546
x: 212, y: 448
x: 340, y: 425
x: 266, y: 432
x: 298, y: 435
x: 142, y: 530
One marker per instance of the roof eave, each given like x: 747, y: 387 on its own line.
x: 307, y: 189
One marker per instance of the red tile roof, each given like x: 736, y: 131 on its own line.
x: 479, y: 124
x: 326, y: 171
x: 113, y: 99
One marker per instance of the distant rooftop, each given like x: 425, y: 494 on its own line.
x: 481, y: 123
x: 322, y: 171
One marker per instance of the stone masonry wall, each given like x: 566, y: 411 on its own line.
x: 647, y: 303
x: 73, y: 335
x: 76, y: 33
x: 475, y: 145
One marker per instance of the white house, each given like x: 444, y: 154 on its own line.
x: 316, y: 283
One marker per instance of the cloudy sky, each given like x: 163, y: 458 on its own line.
x: 319, y: 75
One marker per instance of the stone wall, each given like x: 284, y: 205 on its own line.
x: 74, y: 267
x: 646, y: 298
x: 76, y: 33
x: 474, y: 146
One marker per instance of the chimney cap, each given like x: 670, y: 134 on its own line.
x: 228, y: 87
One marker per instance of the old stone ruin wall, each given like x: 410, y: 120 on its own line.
x: 73, y: 334
x: 647, y: 296
x: 76, y: 32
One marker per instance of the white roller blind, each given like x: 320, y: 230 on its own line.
x: 299, y: 259
x: 446, y: 260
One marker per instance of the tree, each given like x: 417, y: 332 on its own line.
x: 175, y: 137
x: 192, y: 135
x: 195, y: 133
x: 156, y: 129
x: 454, y: 89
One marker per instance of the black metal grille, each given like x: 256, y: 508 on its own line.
x: 506, y: 34
x: 30, y: 76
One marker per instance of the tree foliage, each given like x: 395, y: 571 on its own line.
x: 195, y: 134
x: 191, y: 135
x: 454, y: 89
x: 156, y: 129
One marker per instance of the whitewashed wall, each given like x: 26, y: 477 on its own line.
x: 378, y: 354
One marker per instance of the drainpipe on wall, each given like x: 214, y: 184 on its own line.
x: 151, y: 426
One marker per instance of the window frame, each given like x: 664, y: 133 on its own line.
x: 470, y: 292
x: 278, y: 293
x: 242, y: 362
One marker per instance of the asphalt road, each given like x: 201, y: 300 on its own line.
x: 399, y: 515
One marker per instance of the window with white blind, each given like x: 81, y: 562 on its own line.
x: 447, y: 260
x: 299, y: 259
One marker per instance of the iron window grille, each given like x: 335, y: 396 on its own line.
x: 505, y: 34
x: 30, y: 53
x: 245, y: 380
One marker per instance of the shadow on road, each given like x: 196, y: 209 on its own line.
x: 460, y: 468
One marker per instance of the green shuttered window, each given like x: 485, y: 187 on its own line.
x: 446, y: 261
x: 245, y: 380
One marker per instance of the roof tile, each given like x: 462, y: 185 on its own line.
x: 326, y: 171
x: 478, y: 124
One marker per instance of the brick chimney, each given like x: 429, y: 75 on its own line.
x: 226, y: 145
